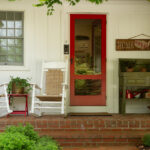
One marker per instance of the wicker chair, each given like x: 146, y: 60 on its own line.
x: 53, y: 90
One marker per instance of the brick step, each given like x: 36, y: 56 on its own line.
x: 94, y: 138
x: 93, y: 134
x: 87, y: 131
x: 85, y: 142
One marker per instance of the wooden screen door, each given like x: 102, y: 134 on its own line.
x: 87, y: 60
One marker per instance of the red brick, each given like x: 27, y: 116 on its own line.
x: 91, y: 145
x: 108, y: 136
x: 99, y: 124
x: 122, y: 123
x: 73, y: 124
x: 66, y: 144
x: 134, y: 140
x: 87, y: 131
x: 68, y: 124
x: 96, y: 140
x: 78, y: 144
x: 111, y: 123
x: 148, y: 123
x: 134, y: 124
x: 1, y: 130
x: 33, y: 123
x: 53, y: 124
x: 121, y: 140
x: 61, y: 140
x: 109, y: 140
x: 72, y: 140
x: 41, y: 124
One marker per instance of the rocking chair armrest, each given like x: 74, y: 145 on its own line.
x: 2, y: 95
x: 3, y: 84
x: 36, y: 86
x: 65, y: 85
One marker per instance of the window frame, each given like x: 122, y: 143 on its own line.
x: 9, y: 65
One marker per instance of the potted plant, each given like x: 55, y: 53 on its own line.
x: 18, y: 85
x: 127, y: 65
x: 130, y: 66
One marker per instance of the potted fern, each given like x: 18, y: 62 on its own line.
x: 18, y: 85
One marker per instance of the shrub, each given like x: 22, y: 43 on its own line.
x: 146, y: 140
x: 17, y: 141
x: 27, y: 130
x: 25, y: 138
x: 47, y: 143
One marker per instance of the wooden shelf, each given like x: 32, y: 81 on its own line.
x: 138, y: 99
x: 131, y: 80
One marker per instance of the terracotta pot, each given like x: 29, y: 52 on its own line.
x: 143, y: 69
x: 129, y: 69
x: 17, y: 89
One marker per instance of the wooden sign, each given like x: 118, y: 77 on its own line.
x: 133, y: 44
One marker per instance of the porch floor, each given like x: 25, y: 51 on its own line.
x: 78, y: 131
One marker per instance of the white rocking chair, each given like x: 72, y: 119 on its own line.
x: 53, y: 85
x: 4, y: 101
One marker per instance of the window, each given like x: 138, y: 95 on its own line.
x: 11, y: 38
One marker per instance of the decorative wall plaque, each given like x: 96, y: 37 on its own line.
x: 133, y: 44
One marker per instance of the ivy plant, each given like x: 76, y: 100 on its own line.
x: 50, y: 3
x: 19, y: 83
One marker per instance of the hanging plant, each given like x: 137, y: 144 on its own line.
x: 50, y: 3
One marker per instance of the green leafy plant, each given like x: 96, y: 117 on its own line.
x: 50, y: 3
x: 127, y: 64
x: 17, y: 141
x: 18, y: 138
x: 25, y: 138
x: 27, y: 130
x: 47, y: 143
x: 146, y: 140
x: 19, y: 83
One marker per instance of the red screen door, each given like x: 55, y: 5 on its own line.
x: 87, y: 60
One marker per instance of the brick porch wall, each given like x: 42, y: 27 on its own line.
x: 87, y: 131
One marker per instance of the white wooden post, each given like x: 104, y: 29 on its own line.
x: 63, y: 100
x: 6, y: 99
x: 33, y: 99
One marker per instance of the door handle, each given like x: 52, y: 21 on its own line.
x: 71, y: 60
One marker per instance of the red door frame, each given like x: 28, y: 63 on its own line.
x: 88, y: 100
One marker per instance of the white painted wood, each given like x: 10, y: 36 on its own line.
x: 4, y: 101
x: 36, y: 103
x: 33, y: 99
x: 45, y: 37
x: 47, y: 108
x: 54, y: 65
x: 47, y: 102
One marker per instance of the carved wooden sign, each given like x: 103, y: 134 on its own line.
x: 132, y: 44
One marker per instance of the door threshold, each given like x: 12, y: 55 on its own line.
x: 90, y: 114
